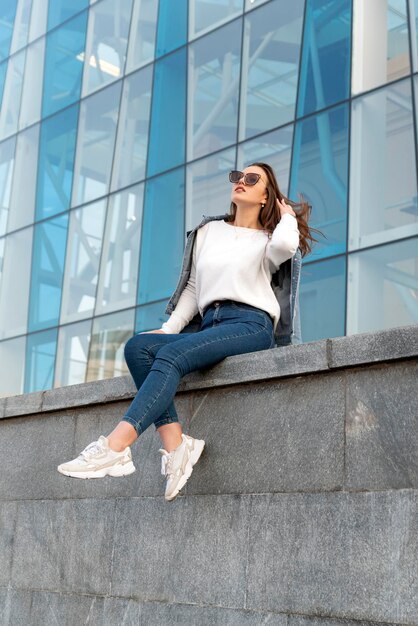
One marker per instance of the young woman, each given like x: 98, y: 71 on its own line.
x: 229, y: 285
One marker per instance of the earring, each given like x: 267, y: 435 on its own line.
x: 262, y: 206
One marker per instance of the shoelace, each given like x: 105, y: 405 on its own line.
x: 167, y: 464
x: 91, y: 449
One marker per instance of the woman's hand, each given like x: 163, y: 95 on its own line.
x: 285, y: 208
x: 158, y: 330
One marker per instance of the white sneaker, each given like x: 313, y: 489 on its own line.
x: 177, y: 465
x: 97, y: 460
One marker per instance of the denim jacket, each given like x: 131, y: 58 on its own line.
x: 284, y: 282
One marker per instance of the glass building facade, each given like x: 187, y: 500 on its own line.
x: 119, y: 123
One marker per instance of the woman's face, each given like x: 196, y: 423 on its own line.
x: 246, y: 195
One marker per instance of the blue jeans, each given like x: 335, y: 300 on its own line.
x: 158, y: 361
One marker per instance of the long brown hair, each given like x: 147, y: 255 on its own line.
x: 270, y: 214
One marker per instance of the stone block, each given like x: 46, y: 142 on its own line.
x: 382, y: 427
x: 64, y: 545
x: 191, y: 550
x: 383, y: 345
x: 8, y: 515
x: 96, y: 392
x: 25, y: 404
x: 30, y: 450
x: 285, y: 435
x: 33, y: 608
x: 259, y: 366
x: 343, y: 555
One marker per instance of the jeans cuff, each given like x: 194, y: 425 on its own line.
x: 167, y: 420
x: 133, y: 423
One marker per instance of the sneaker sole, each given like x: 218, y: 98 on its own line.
x: 115, y: 470
x: 194, y: 457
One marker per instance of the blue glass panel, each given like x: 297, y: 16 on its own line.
x: 40, y: 360
x: 150, y: 316
x: 56, y: 163
x: 168, y: 114
x: 47, y: 271
x: 325, y: 66
x: 63, y: 70
x: 61, y: 10
x: 163, y: 236
x: 172, y: 25
x: 270, y: 66
x: 320, y: 172
x: 322, y: 299
x: 7, y: 17
x: 3, y: 68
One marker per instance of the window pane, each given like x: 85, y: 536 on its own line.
x: 110, y: 333
x: 7, y: 159
x: 208, y: 187
x: 119, y: 264
x: 10, y: 108
x: 251, y: 4
x: 142, y: 36
x: 95, y: 144
x: 383, y: 184
x: 322, y: 299
x: 3, y: 70
x: 168, y: 123
x: 319, y: 172
x: 7, y: 17
x: 82, y: 262
x: 132, y: 138
x: 204, y: 15
x: 163, y: 236
x: 172, y: 26
x: 64, y: 56
x: 384, y: 56
x: 21, y: 25
x: 274, y: 148
x: 56, y: 162
x: 325, y: 67
x: 15, y: 264
x: 150, y: 316
x: 269, y: 75
x: 12, y: 366
x: 22, y: 205
x: 47, y: 269
x: 107, y: 38
x: 413, y: 13
x: 214, y: 63
x: 38, y: 19
x: 40, y: 360
x: 72, y: 353
x: 30, y: 110
x: 61, y: 10
x: 387, y: 278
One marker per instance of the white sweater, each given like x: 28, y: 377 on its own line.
x: 231, y: 267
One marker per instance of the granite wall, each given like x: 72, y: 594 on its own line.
x: 301, y: 512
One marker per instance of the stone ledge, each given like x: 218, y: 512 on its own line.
x: 313, y: 357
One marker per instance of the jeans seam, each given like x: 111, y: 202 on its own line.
x: 150, y: 363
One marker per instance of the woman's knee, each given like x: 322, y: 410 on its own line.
x: 135, y: 346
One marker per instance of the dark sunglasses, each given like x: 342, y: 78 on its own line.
x: 249, y: 179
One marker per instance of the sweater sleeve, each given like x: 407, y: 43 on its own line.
x: 284, y: 241
x: 186, y: 307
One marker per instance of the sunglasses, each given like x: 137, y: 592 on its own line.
x: 249, y: 179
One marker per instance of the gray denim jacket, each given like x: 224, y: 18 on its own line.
x: 284, y: 282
